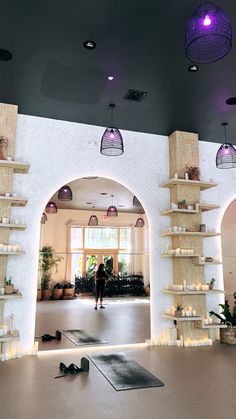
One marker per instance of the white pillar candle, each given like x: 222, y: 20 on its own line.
x: 194, y: 313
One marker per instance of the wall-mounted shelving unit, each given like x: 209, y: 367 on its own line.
x: 13, y: 226
x: 188, y: 292
x: 18, y: 167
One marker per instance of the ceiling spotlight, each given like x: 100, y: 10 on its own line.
x: 110, y: 77
x: 231, y: 101
x: 103, y: 193
x: 89, y: 44
x: 193, y: 68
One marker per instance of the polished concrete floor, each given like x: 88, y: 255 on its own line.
x: 125, y: 320
x: 199, y: 383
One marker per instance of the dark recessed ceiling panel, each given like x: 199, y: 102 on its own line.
x: 141, y: 44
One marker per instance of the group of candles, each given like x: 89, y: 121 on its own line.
x: 178, y: 251
x: 10, y: 247
x: 186, y: 312
x: 7, y: 220
x: 190, y: 287
x: 168, y: 337
x: 12, y: 350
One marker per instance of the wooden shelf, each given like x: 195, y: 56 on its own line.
x: 17, y: 166
x: 10, y: 337
x: 207, y: 207
x: 202, y: 185
x: 181, y: 255
x: 13, y: 226
x: 180, y: 211
x: 188, y: 292
x: 190, y: 233
x: 11, y: 253
x: 11, y: 296
x: 14, y: 201
x: 182, y: 318
x: 199, y: 263
x: 211, y: 326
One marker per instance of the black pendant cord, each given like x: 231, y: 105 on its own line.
x: 224, y: 124
x: 112, y: 106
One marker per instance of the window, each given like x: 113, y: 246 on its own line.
x: 91, y: 246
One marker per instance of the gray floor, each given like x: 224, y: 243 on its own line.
x: 124, y: 320
x: 199, y: 383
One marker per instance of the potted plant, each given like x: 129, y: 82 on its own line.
x: 47, y: 262
x: 211, y: 283
x: 193, y: 172
x: 8, y: 286
x: 178, y: 310
x: 57, y: 292
x: 68, y: 291
x: 228, y: 317
x: 3, y: 146
x: 182, y: 204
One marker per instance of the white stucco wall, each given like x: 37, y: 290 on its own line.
x: 58, y: 153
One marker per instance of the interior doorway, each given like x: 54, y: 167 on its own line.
x: 79, y: 248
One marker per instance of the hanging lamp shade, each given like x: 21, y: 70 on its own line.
x: 112, y: 210
x: 44, y: 218
x: 208, y: 37
x: 136, y: 202
x: 226, y: 155
x: 139, y: 222
x: 93, y: 220
x: 51, y: 207
x: 112, y: 142
x: 65, y: 193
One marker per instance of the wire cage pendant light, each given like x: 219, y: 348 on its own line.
x: 226, y: 155
x: 139, y: 222
x: 112, y: 142
x: 51, y: 207
x: 93, y: 220
x: 44, y: 218
x: 65, y: 193
x: 112, y: 210
x: 208, y: 37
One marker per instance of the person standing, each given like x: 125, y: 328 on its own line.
x: 100, y: 279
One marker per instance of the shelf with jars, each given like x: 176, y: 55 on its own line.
x: 18, y: 167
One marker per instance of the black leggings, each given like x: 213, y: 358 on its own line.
x: 100, y: 287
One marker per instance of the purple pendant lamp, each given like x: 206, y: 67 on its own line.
x: 44, y: 218
x: 51, y: 207
x: 139, y: 222
x: 112, y: 141
x: 93, y: 220
x: 208, y: 37
x: 112, y: 210
x: 65, y: 193
x: 226, y: 155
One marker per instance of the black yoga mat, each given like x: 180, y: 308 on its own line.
x: 123, y: 373
x: 81, y: 338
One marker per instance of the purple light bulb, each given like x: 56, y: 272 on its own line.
x: 112, y: 135
x: 207, y: 20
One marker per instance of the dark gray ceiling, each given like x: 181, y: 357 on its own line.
x: 139, y: 42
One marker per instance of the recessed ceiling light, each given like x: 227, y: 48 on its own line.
x: 89, y: 44
x: 231, y: 101
x: 90, y: 177
x: 121, y: 206
x: 110, y: 77
x: 5, y: 55
x: 88, y: 203
x: 103, y: 193
x: 193, y: 68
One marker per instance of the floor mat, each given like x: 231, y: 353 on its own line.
x: 81, y: 338
x: 123, y: 373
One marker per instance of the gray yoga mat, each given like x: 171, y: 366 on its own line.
x: 123, y: 373
x: 81, y: 338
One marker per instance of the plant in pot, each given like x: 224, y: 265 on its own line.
x: 68, y: 291
x: 182, y: 204
x: 178, y: 310
x: 3, y: 146
x: 8, y: 286
x: 47, y: 262
x: 57, y: 292
x: 228, y: 317
x: 193, y: 172
x: 211, y: 283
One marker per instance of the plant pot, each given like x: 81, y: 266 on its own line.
x: 39, y: 295
x: 147, y: 291
x: 182, y: 206
x: 68, y: 293
x: 1, y: 154
x: 228, y: 335
x: 8, y: 289
x: 194, y: 177
x: 178, y: 313
x: 46, y: 294
x: 57, y: 294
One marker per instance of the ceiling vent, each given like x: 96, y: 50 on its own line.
x: 135, y: 95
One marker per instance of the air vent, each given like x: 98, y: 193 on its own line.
x: 135, y: 95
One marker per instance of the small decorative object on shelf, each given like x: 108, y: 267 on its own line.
x: 8, y: 286
x: 193, y: 172
x: 182, y: 204
x: 211, y: 284
x: 3, y: 146
x: 178, y: 310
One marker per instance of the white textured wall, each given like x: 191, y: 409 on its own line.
x: 59, y: 152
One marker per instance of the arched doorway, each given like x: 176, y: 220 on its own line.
x: 117, y: 243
